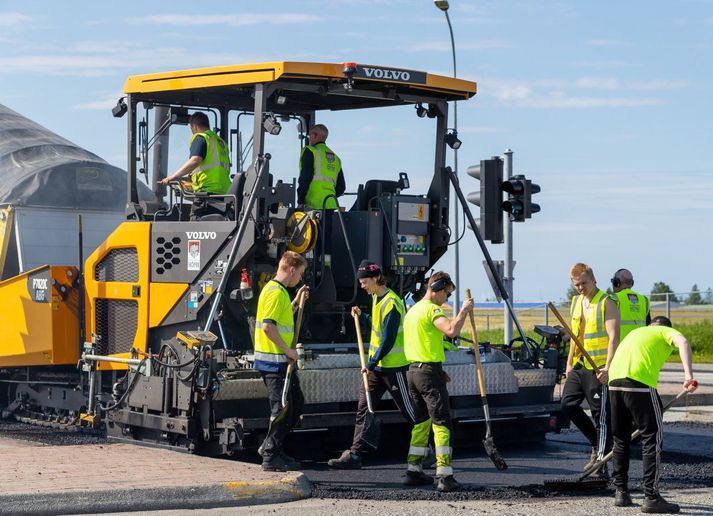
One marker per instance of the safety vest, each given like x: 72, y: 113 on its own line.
x: 327, y: 166
x: 379, y: 309
x: 633, y: 308
x: 213, y: 173
x: 274, y: 304
x: 595, y: 338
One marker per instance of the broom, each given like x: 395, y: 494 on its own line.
x: 488, y: 442
x: 371, y: 432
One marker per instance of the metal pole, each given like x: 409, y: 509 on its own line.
x: 668, y: 305
x: 547, y: 316
x: 507, y: 261
x: 456, y: 212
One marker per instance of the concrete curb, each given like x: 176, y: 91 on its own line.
x: 694, y: 399
x: 294, y: 486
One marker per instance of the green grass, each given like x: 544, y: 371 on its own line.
x: 700, y: 335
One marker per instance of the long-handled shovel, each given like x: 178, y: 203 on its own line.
x: 371, y: 433
x: 288, y: 376
x: 574, y: 338
x: 488, y: 442
x: 583, y: 482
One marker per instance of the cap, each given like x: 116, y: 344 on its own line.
x: 368, y: 269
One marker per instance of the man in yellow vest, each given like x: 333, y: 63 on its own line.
x: 387, y: 365
x: 208, y: 164
x: 595, y: 319
x: 633, y: 307
x: 274, y: 349
x: 633, y: 377
x: 321, y: 173
x: 425, y: 325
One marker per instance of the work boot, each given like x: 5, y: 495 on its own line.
x: 291, y: 463
x: 592, y: 459
x: 347, y: 460
x: 659, y: 506
x: 448, y: 484
x: 622, y: 499
x: 276, y: 463
x: 417, y: 478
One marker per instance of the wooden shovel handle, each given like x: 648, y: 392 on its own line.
x: 362, y: 359
x: 476, y: 350
x: 574, y: 338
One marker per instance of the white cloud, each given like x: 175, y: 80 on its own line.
x: 13, y: 19
x: 612, y: 83
x: 234, y: 20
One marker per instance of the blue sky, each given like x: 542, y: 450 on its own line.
x: 607, y: 106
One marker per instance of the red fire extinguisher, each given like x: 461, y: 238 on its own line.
x: 246, y: 288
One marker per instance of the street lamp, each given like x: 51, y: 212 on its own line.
x: 443, y: 6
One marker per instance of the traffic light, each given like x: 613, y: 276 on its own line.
x: 515, y: 187
x: 489, y: 198
x: 519, y: 204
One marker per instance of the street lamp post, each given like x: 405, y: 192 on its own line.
x: 443, y: 6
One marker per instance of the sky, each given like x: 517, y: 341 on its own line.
x: 607, y: 106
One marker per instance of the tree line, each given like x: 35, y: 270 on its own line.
x: 694, y: 297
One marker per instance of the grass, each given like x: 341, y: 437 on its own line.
x: 700, y: 335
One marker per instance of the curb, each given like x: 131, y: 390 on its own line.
x: 694, y: 399
x: 294, y: 486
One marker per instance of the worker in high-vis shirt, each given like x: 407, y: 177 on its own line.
x: 634, y: 308
x: 635, y: 404
x: 425, y: 325
x: 595, y: 320
x: 387, y: 364
x: 321, y: 173
x: 274, y: 350
x: 208, y: 164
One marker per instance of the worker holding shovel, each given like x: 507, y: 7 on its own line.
x: 595, y: 321
x: 386, y: 367
x: 425, y: 325
x: 275, y: 355
x: 633, y: 376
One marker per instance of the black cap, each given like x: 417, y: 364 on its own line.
x: 368, y: 269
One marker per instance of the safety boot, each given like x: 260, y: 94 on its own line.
x: 347, y: 460
x: 622, y: 499
x: 291, y: 463
x: 658, y: 505
x: 417, y: 478
x: 448, y: 484
x: 277, y: 463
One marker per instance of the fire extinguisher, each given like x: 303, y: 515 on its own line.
x: 246, y: 288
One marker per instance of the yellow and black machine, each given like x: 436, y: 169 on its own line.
x: 170, y: 303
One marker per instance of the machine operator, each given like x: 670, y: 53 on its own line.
x: 321, y: 173
x: 274, y: 348
x: 208, y: 164
x: 425, y: 325
x: 633, y: 307
x: 595, y: 319
x: 387, y: 365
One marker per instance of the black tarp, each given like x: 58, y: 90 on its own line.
x: 40, y: 168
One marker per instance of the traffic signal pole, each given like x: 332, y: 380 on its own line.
x: 508, y: 263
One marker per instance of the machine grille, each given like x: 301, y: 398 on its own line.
x: 167, y: 253
x: 116, y: 324
x: 120, y: 265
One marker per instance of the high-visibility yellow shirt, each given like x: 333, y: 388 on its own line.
x: 423, y: 342
x: 593, y: 333
x: 273, y: 306
x: 327, y: 166
x: 633, y: 308
x: 379, y: 310
x: 642, y: 354
x: 213, y: 173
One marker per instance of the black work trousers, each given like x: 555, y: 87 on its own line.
x: 281, y: 423
x: 429, y: 394
x: 379, y: 382
x: 582, y: 384
x: 637, y: 402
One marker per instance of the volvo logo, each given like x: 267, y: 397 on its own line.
x: 383, y: 73
x: 201, y: 235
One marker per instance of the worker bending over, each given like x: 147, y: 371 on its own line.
x: 595, y: 320
x: 208, y: 164
x: 633, y: 307
x: 425, y: 325
x: 387, y: 365
x: 633, y: 376
x: 274, y: 349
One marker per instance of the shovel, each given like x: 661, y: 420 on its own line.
x: 584, y: 483
x: 574, y: 338
x: 372, y: 425
x: 488, y: 442
x: 288, y: 376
